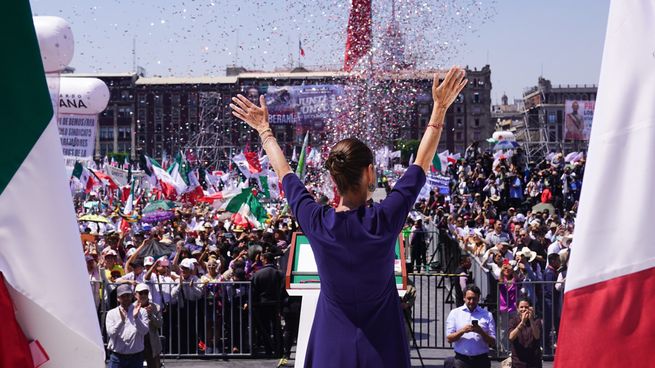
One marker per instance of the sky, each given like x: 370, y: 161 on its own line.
x: 520, y: 39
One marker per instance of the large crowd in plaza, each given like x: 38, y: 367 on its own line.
x: 506, y: 215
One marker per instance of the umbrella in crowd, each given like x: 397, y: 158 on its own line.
x: 159, y: 206
x: 541, y: 207
x: 94, y: 218
x: 156, y: 216
x: 505, y: 145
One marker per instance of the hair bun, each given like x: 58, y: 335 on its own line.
x: 340, y: 158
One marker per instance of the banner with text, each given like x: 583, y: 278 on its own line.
x: 78, y: 137
x: 439, y: 182
x: 308, y: 105
x: 578, y: 118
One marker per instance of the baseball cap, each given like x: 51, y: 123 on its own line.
x: 187, y: 263
x: 163, y: 261
x: 148, y: 261
x: 109, y: 252
x: 123, y: 289
x: 142, y: 287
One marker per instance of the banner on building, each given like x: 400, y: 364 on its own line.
x: 578, y: 116
x: 308, y: 105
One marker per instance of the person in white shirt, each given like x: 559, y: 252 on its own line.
x: 472, y: 331
x: 126, y: 326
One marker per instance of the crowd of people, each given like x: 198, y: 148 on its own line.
x: 514, y: 219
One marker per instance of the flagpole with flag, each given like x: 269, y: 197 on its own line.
x: 607, y: 319
x: 58, y: 311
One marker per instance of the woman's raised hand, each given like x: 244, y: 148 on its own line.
x: 253, y: 115
x: 446, y: 92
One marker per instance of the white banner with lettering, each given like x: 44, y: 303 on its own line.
x: 78, y: 137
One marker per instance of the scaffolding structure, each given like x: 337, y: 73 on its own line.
x: 211, y: 145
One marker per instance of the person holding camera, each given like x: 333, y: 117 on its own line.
x: 525, y: 337
x: 472, y: 331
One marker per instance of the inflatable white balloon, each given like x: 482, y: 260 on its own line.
x: 86, y: 96
x: 55, y: 41
x: 503, y: 136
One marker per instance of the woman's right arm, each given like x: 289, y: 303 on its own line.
x: 443, y: 94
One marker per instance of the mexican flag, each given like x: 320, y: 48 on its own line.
x: 440, y: 161
x: 300, y: 169
x: 246, y: 205
x: 58, y: 311
x: 607, y: 319
x: 249, y: 164
x: 179, y: 171
x: 170, y: 186
x: 84, y: 175
x: 269, y: 184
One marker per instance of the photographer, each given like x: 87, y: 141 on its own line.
x: 471, y: 330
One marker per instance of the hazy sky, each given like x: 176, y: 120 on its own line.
x: 518, y: 38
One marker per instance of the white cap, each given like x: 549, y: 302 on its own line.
x: 188, y: 263
x: 131, y: 251
x: 141, y: 287
x: 148, y: 261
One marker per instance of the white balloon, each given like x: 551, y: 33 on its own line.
x: 55, y: 41
x: 503, y: 136
x: 82, y: 95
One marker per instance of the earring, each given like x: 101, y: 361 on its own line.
x: 371, y: 187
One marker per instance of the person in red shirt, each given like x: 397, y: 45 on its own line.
x: 546, y: 195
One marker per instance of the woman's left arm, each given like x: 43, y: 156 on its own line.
x: 257, y: 118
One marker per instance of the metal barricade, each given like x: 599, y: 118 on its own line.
x: 217, y: 323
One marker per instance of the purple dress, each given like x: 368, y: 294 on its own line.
x: 358, y: 321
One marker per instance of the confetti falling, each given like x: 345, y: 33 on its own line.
x: 200, y: 37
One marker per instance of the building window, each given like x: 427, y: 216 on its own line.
x: 458, y: 109
x: 459, y: 136
x: 125, y: 112
x: 124, y: 132
x: 476, y: 135
x: 193, y: 108
x: 175, y: 109
x: 106, y: 133
x: 459, y: 123
x: 476, y: 123
x: 552, y: 117
x: 476, y: 97
x: 460, y: 98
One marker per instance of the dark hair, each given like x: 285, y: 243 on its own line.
x: 473, y: 288
x: 552, y: 257
x: 524, y: 300
x: 269, y: 258
x: 346, y: 161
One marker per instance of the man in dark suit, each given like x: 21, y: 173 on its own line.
x: 267, y: 289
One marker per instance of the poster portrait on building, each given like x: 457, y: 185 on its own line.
x: 578, y: 116
x: 307, y: 105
